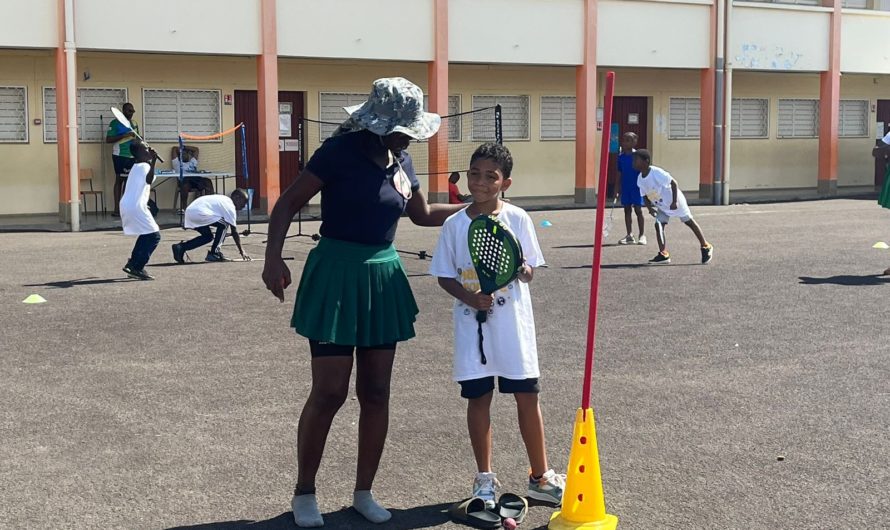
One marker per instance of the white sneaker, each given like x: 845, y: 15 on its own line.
x: 629, y: 240
x: 548, y: 488
x: 642, y: 240
x: 485, y: 486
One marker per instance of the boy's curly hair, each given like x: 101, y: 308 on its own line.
x: 496, y: 153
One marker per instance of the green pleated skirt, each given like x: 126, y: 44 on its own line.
x: 884, y: 198
x: 354, y: 295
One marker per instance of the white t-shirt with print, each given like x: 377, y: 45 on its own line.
x: 657, y: 187
x: 509, y: 333
x: 135, y: 217
x: 210, y: 209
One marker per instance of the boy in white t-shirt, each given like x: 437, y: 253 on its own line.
x: 135, y: 217
x: 511, y: 348
x: 665, y: 200
x: 207, y: 212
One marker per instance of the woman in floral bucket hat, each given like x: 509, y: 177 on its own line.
x: 354, y: 297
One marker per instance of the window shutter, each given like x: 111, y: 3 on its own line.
x: 514, y: 117
x: 685, y: 118
x: 750, y: 118
x: 853, y: 120
x: 798, y: 118
x: 13, y: 115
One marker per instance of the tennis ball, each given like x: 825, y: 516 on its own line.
x: 510, y: 523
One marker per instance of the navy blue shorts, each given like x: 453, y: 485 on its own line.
x: 476, y: 388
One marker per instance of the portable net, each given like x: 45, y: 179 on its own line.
x: 465, y: 131
x: 222, y: 153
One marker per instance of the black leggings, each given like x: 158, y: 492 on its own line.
x: 206, y: 237
x: 327, y: 349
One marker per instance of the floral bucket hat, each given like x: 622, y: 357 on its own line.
x: 395, y: 105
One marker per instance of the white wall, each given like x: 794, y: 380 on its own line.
x: 864, y: 45
x: 395, y: 30
x: 653, y: 34
x: 30, y: 24
x: 196, y: 26
x: 516, y: 31
x: 779, y: 39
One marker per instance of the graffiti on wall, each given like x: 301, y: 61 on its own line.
x: 767, y: 57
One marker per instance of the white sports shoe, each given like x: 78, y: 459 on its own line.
x: 628, y: 240
x: 642, y: 240
x: 485, y: 486
x: 548, y: 488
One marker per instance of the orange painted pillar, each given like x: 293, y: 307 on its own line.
x: 829, y: 107
x: 438, y: 103
x: 63, y: 146
x: 708, y: 109
x: 267, y: 108
x: 585, y: 112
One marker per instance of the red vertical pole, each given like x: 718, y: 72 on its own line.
x: 598, y: 238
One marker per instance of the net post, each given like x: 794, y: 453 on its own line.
x: 181, y: 179
x: 498, y: 130
x: 246, y: 175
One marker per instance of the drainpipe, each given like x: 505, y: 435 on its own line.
x: 719, y: 110
x: 727, y: 102
x: 71, y: 61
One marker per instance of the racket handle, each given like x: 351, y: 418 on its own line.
x: 479, y: 331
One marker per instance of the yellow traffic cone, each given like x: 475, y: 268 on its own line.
x: 583, y: 505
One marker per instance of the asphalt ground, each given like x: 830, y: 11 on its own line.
x: 749, y: 393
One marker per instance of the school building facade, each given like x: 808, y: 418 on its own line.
x: 729, y: 96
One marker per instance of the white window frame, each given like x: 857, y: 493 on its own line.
x: 863, y: 131
x: 81, y: 124
x: 564, y: 134
x: 690, y: 132
x: 325, y: 130
x: 794, y: 135
x: 735, y: 122
x: 497, y: 100
x: 146, y: 130
x: 27, y: 138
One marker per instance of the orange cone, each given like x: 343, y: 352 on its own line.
x: 583, y: 505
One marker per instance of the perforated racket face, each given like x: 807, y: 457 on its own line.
x: 495, y: 252
x: 119, y: 116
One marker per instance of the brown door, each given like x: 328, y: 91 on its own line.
x: 883, y: 117
x: 290, y: 107
x: 629, y: 114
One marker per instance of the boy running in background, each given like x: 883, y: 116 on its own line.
x: 510, y: 328
x: 630, y: 192
x: 665, y: 201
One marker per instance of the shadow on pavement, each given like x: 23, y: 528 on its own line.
x: 846, y: 279
x: 345, y: 518
x: 92, y: 280
x: 634, y: 266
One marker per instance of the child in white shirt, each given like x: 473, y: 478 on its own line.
x: 665, y: 200
x: 509, y: 332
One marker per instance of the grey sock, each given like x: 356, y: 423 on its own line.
x: 364, y: 503
x: 306, y: 513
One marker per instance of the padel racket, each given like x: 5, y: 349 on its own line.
x: 497, y: 258
x: 119, y: 116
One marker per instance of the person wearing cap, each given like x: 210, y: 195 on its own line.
x: 354, y: 298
